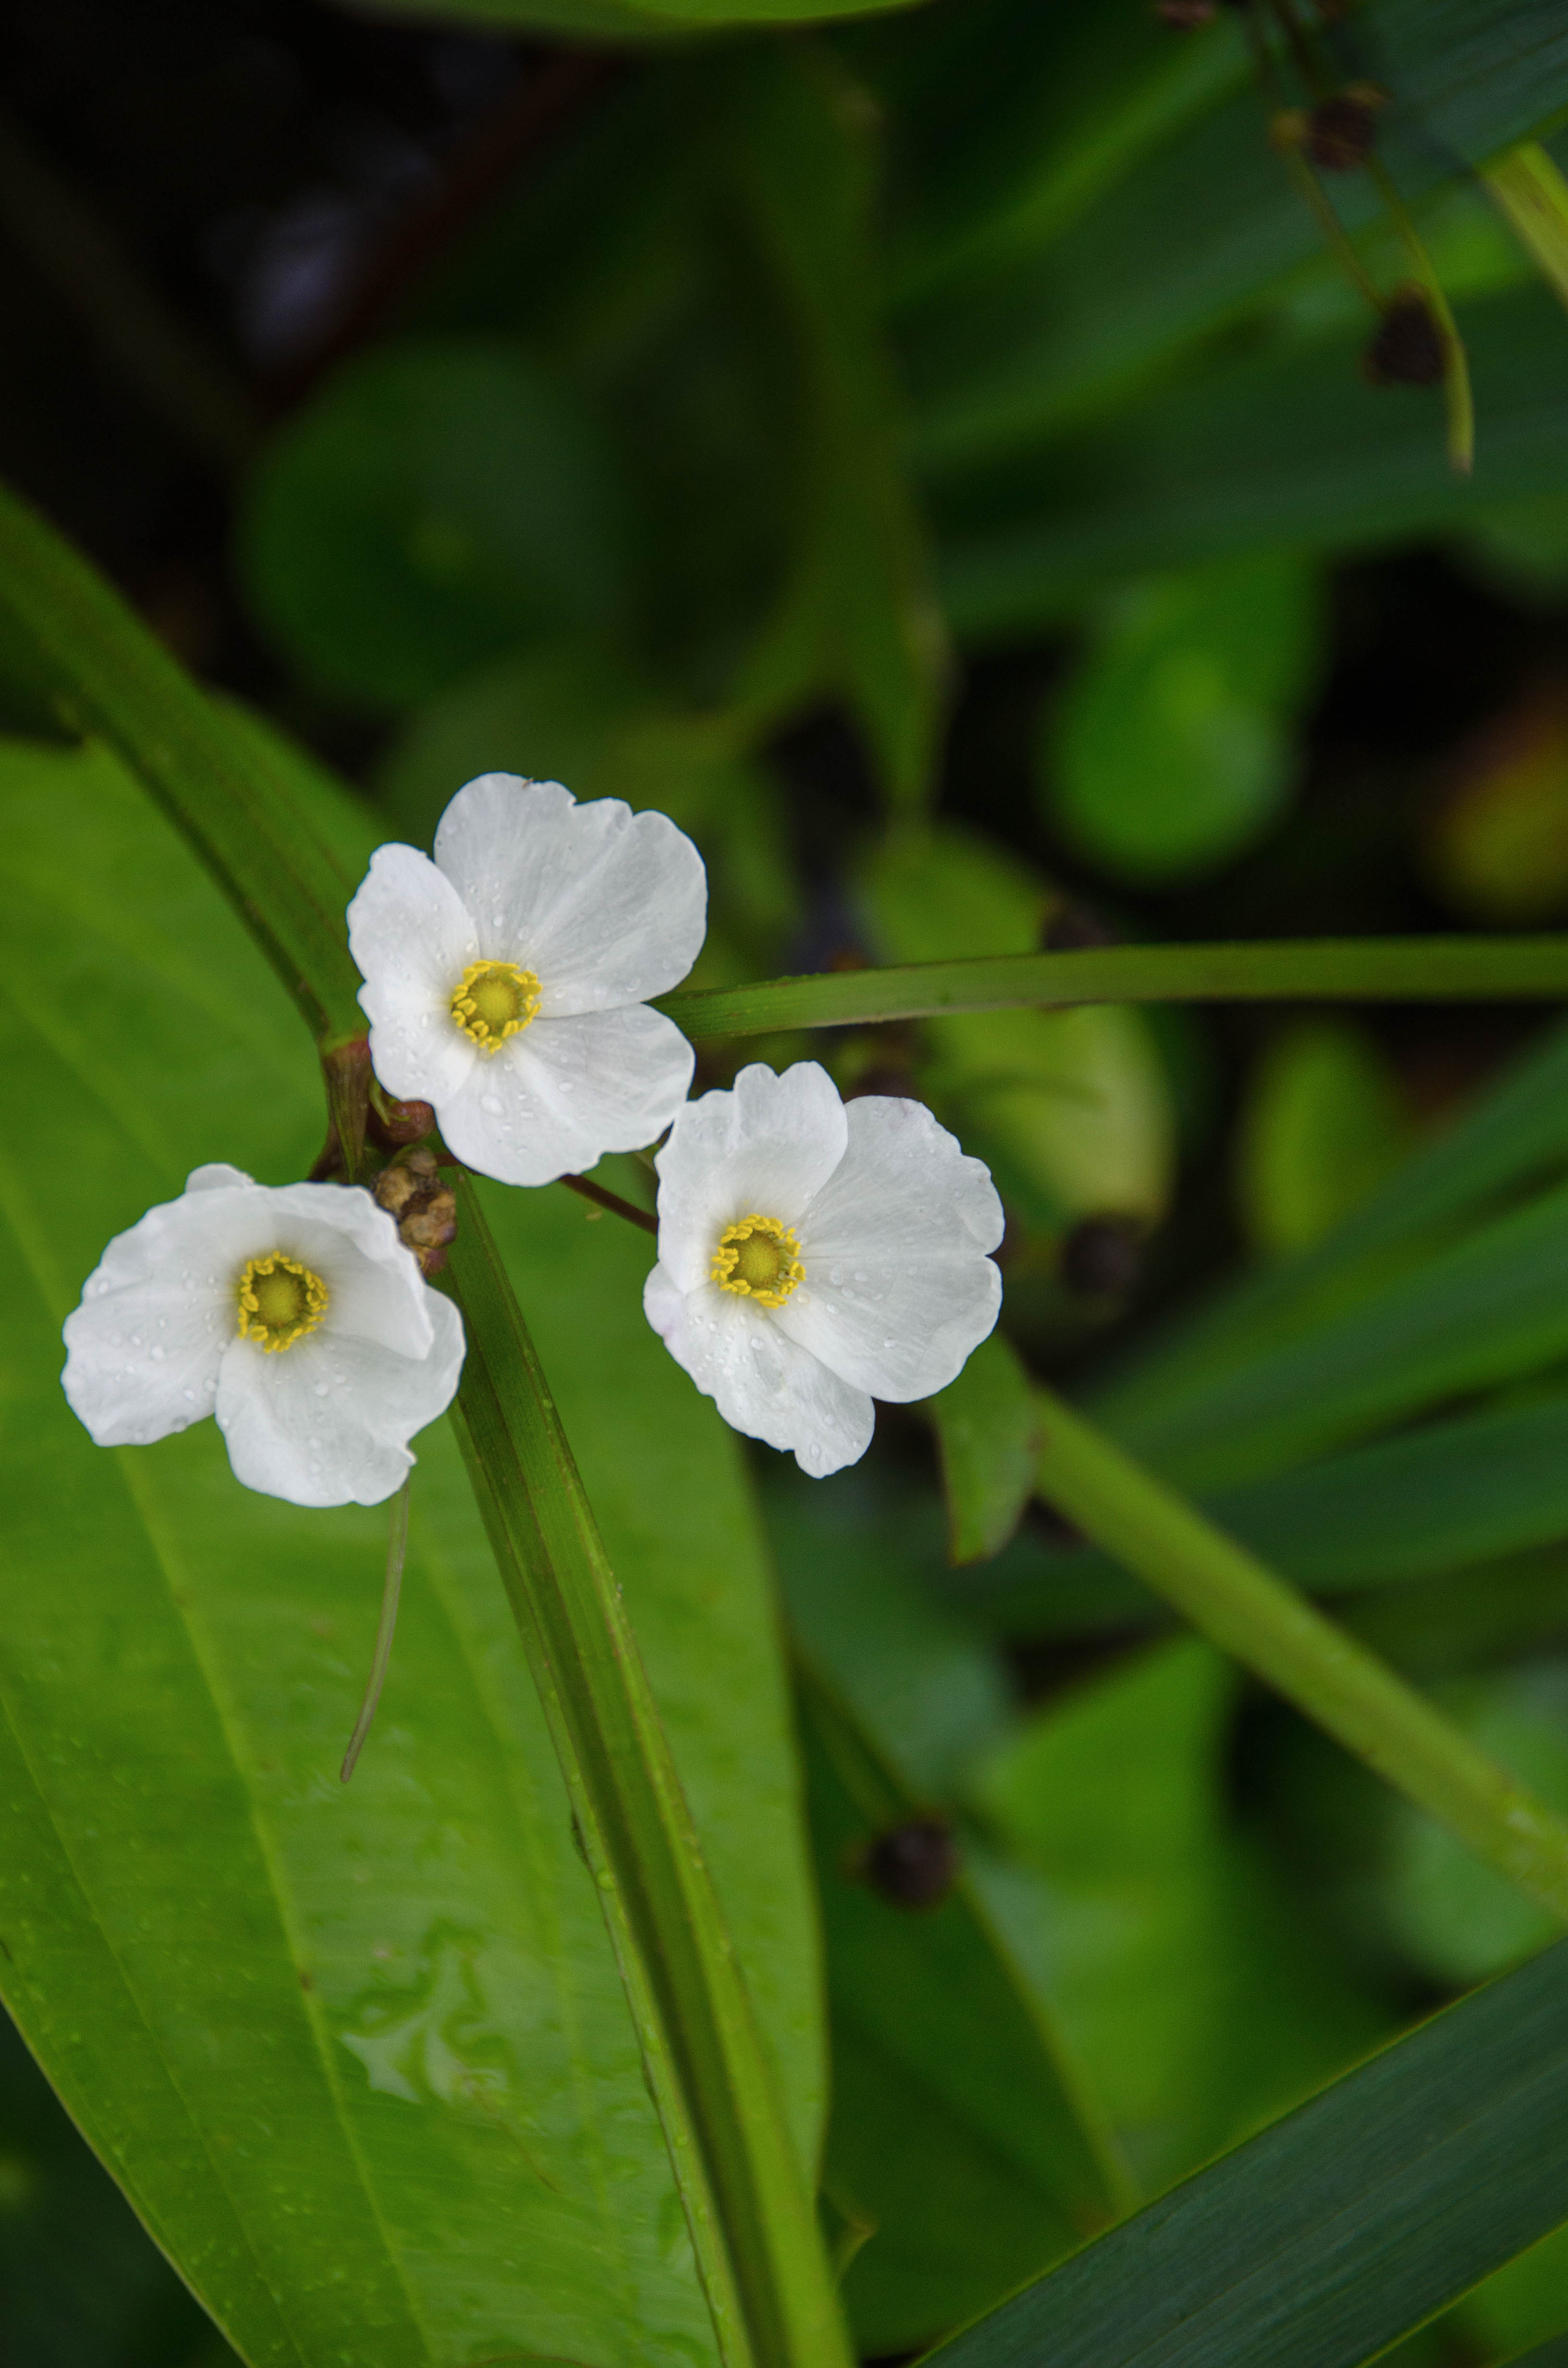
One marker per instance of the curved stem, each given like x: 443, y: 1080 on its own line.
x: 1242, y: 1607
x: 397, y: 1550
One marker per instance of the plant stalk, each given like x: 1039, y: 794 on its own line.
x: 753, y: 2225
x: 1341, y: 970
x: 1262, y: 1623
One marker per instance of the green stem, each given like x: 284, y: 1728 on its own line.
x: 1267, y: 1627
x: 1354, y: 969
x: 1456, y: 374
x: 753, y: 2229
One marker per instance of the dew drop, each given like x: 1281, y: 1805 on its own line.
x: 320, y: 1389
x: 156, y: 1354
x: 489, y: 1105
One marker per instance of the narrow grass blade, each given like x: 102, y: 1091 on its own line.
x: 1353, y: 970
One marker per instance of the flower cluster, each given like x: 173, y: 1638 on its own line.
x: 813, y: 1255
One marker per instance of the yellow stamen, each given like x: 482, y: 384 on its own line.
x: 493, y: 1000
x: 758, y: 1258
x: 280, y: 1301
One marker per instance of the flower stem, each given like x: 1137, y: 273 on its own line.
x: 1456, y: 370
x: 391, y: 1588
x: 611, y: 1201
x: 1352, y: 970
x: 1267, y: 1627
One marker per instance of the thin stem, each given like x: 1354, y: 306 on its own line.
x: 1456, y: 374
x: 1353, y: 970
x: 391, y: 1588
x: 1242, y: 1607
x: 611, y: 1201
x: 1333, y: 229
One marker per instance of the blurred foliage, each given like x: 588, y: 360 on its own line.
x: 927, y: 453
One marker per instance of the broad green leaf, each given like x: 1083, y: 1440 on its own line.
x: 1070, y: 1109
x: 988, y: 1432
x: 1322, y: 1128
x: 406, y: 1985
x: 438, y: 503
x: 1324, y: 2239
x: 1187, y: 1985
x: 1173, y: 746
x: 61, y: 2215
x: 960, y: 2147
x: 78, y: 662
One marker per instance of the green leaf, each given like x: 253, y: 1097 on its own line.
x: 1173, y: 746
x: 439, y: 502
x: 1203, y: 230
x: 959, y: 2139
x: 1322, y: 1128
x: 1190, y: 1988
x: 1322, y: 2240
x: 988, y: 1432
x: 73, y: 652
x: 858, y: 618
x: 405, y: 1988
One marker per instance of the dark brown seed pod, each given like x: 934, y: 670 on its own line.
x: 425, y: 1208
x: 1102, y: 1256
x: 1341, y: 132
x: 915, y: 1864
x: 396, y: 1124
x: 1407, y: 349
x: 1073, y: 928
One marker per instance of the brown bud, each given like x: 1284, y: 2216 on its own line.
x: 886, y: 1077
x: 425, y: 1208
x: 1408, y: 347
x: 1341, y: 132
x: 394, y: 1123
x: 915, y: 1864
x: 1185, y: 15
x: 1074, y: 928
x: 1100, y: 1258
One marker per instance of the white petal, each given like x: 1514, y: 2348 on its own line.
x: 898, y: 1290
x: 413, y: 939
x: 217, y: 1177
x: 554, y: 1099
x: 328, y: 1421
x: 604, y: 906
x: 375, y: 1291
x: 767, y: 1146
x: 143, y: 1349
x: 762, y: 1383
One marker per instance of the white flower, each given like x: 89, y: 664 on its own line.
x: 506, y: 981
x: 296, y: 1316
x: 815, y: 1255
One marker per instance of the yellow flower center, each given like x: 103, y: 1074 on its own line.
x: 758, y: 1258
x: 493, y: 1000
x: 280, y: 1301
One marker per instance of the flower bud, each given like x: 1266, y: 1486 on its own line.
x: 1408, y: 348
x: 915, y: 1864
x: 425, y: 1208
x: 1341, y: 131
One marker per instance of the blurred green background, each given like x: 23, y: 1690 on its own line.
x: 930, y: 457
